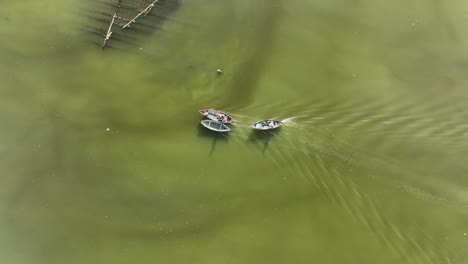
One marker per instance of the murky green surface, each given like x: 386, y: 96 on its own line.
x: 102, y: 159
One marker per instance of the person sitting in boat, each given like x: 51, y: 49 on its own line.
x: 228, y: 119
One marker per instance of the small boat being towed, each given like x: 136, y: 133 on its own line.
x: 217, y: 115
x: 266, y: 124
x: 215, y: 125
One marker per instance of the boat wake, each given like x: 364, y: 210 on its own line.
x: 336, y: 146
x: 291, y: 121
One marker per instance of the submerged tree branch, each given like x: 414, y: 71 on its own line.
x: 142, y: 13
x: 109, y: 30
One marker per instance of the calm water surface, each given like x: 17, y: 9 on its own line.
x: 102, y: 158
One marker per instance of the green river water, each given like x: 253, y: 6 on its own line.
x: 103, y: 160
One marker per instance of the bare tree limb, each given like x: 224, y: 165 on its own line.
x: 109, y: 30
x: 142, y: 13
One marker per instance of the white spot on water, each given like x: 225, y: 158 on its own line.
x: 107, y: 129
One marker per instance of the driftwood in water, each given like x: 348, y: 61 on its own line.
x: 142, y: 13
x: 108, y: 34
x: 124, y: 16
x: 109, y: 31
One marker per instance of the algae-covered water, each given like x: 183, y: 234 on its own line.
x: 103, y: 160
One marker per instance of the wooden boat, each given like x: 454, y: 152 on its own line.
x: 266, y: 124
x: 215, y: 125
x: 217, y: 115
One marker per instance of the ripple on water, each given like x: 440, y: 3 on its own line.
x: 314, y: 144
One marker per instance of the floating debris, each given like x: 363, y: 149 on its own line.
x: 109, y: 30
x: 142, y: 13
x: 115, y: 17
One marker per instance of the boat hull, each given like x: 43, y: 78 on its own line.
x: 215, y: 125
x: 217, y: 115
x: 267, y: 124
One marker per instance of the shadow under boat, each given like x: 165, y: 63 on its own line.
x: 213, y: 136
x: 262, y: 137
